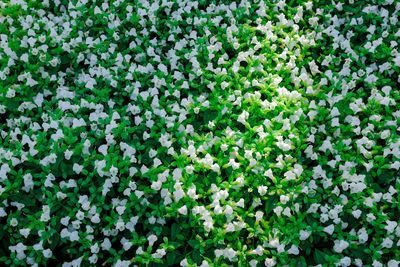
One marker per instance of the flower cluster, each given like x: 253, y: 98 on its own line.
x: 176, y: 132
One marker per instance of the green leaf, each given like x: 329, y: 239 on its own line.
x: 175, y: 229
x: 54, y: 240
x: 24, y: 199
x: 269, y: 205
x: 319, y: 256
x: 174, y: 258
x: 197, y: 257
x: 193, y: 243
x: 12, y: 105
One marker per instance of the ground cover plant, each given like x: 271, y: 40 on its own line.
x: 199, y: 133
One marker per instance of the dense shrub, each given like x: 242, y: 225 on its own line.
x: 199, y: 133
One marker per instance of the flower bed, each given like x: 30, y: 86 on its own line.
x: 195, y: 133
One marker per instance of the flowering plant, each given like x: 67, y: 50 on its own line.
x: 199, y: 133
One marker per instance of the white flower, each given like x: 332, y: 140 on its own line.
x: 42, y: 38
x: 230, y: 227
x: 38, y: 246
x: 183, y: 210
x: 47, y: 253
x: 287, y: 212
x: 278, y: 210
x: 304, y: 234
x: 253, y: 263
x: 229, y: 253
x: 262, y: 190
x: 95, y: 218
x: 95, y: 248
x: 139, y: 193
x: 208, y: 225
x: 139, y: 251
x: 152, y: 239
x: 156, y: 185
x: 284, y: 199
x: 159, y: 253
x: 78, y: 123
x: 385, y: 134
x: 14, y: 222
x: 184, y: 263
x: 346, y: 261
x: 189, y: 169
x: 152, y: 153
x: 259, y: 250
x: 391, y: 225
x: 144, y: 169
x: 224, y: 147
x: 152, y: 220
x: 362, y: 235
x: 393, y: 263
x: 65, y: 220
x: 93, y: 259
x: 192, y: 192
x: 218, y: 210
x: 120, y: 226
x: 76, y: 224
x: 370, y: 217
x: 74, y: 236
x: 77, y: 168
x: 126, y: 244
x: 228, y: 210
x: 376, y: 263
x: 243, y: 117
x: 52, y: 158
x: 387, y: 243
x: 340, y: 245
x: 240, y: 203
x: 215, y: 167
x: 106, y: 245
x: 293, y: 250
x: 113, y: 171
x: 103, y: 149
x: 80, y: 215
x: 24, y: 57
x: 25, y: 232
x: 358, y: 262
x: 259, y: 215
x: 269, y: 262
x: 10, y: 93
x: 120, y: 209
x: 68, y: 154
x: 324, y: 217
x: 329, y: 229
